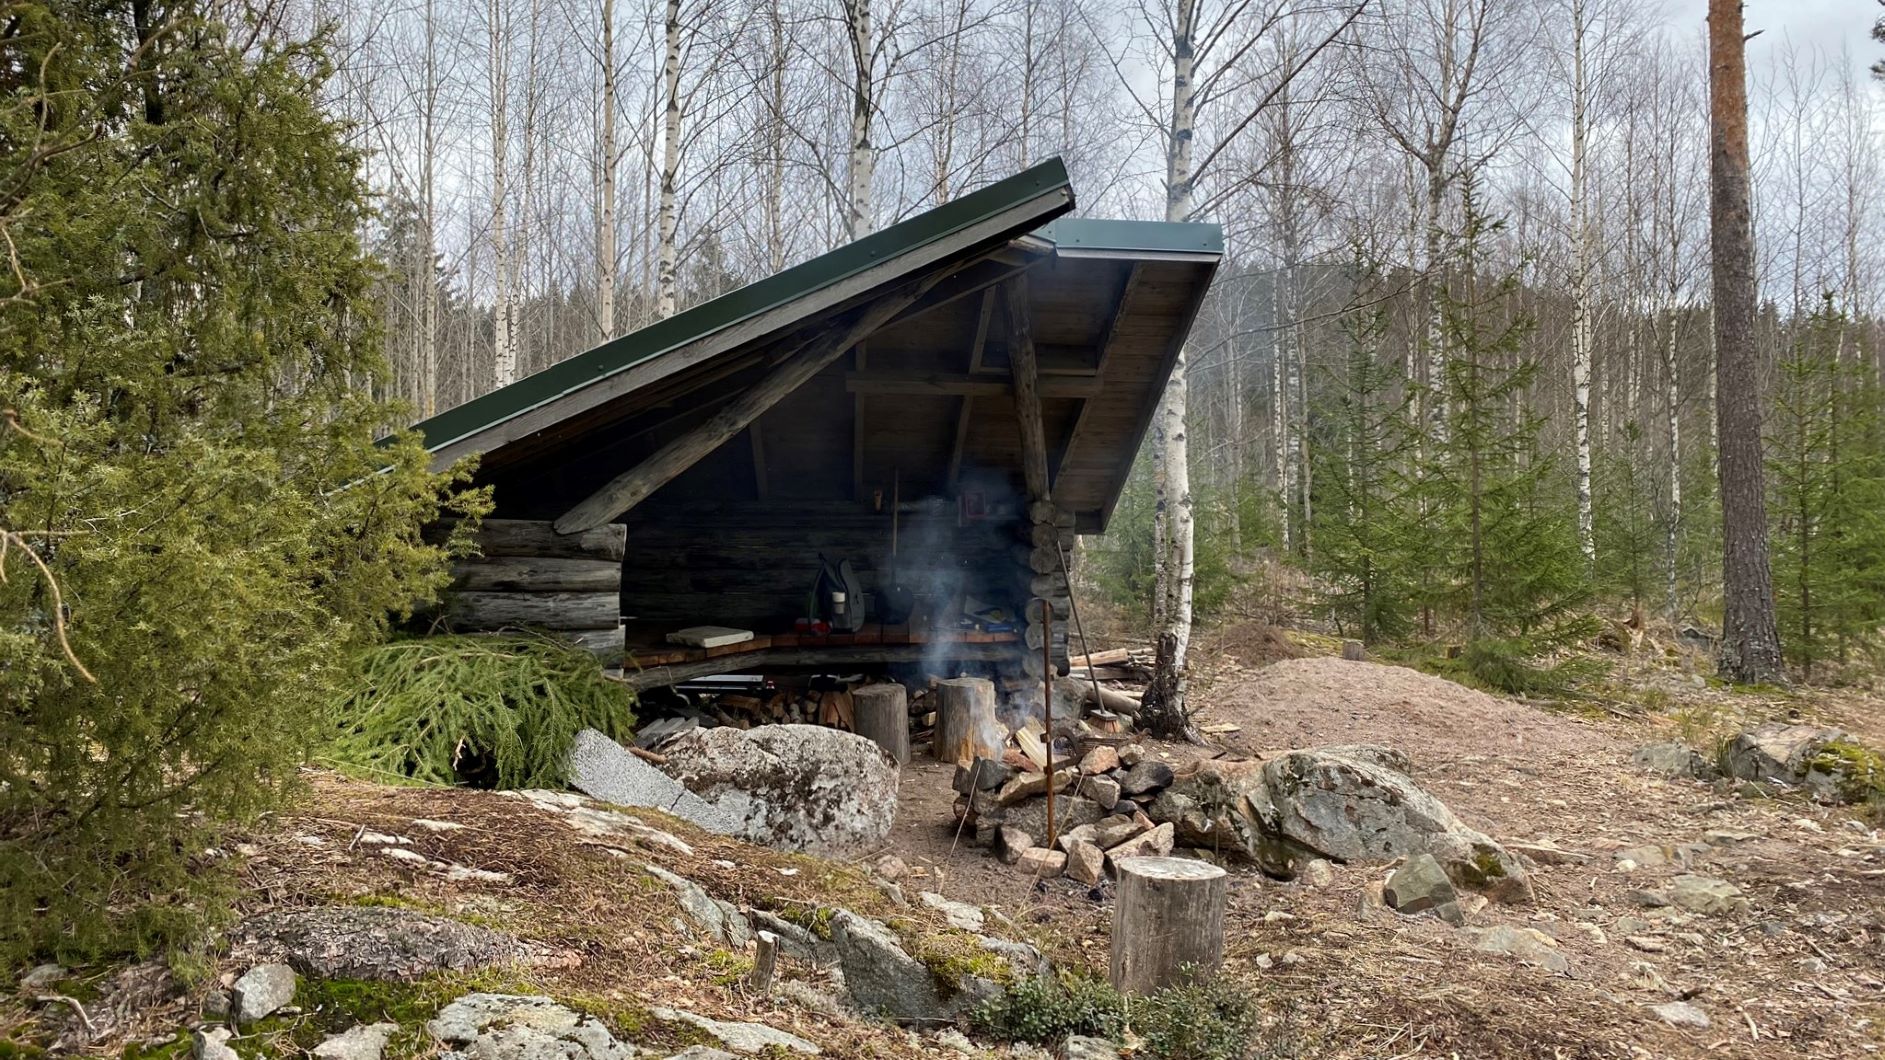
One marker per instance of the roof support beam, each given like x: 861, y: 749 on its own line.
x: 952, y: 384
x: 1027, y: 396
x: 633, y: 486
x: 1108, y: 338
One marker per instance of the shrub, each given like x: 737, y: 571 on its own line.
x: 1046, y: 1010
x: 490, y: 711
x: 198, y: 527
x: 1213, y: 1020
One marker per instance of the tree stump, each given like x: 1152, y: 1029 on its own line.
x: 965, y: 721
x: 1168, y: 922
x: 883, y: 714
x: 1353, y: 651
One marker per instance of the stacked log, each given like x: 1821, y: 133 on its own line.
x: 1046, y: 534
x: 530, y: 576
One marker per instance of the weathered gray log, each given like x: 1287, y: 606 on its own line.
x: 965, y: 721
x: 1168, y: 923
x: 536, y: 537
x: 1027, y: 394
x: 833, y: 655
x: 1110, y: 699
x: 476, y: 610
x: 883, y: 715
x: 633, y: 486
x: 603, y: 643
x: 537, y: 574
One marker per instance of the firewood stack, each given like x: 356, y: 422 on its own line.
x: 831, y: 708
x: 1107, y: 802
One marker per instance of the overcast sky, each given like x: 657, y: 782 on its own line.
x: 1829, y: 24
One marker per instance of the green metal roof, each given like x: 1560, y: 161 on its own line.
x: 756, y: 298
x: 1134, y: 237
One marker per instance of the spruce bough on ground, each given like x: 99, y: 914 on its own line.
x: 493, y: 711
x: 185, y: 451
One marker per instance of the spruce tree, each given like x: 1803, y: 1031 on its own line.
x: 198, y: 528
x: 1828, y: 523
x: 1503, y: 515
x: 1364, y: 518
x: 1629, y: 529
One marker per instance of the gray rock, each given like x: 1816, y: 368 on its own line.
x: 960, y: 915
x: 1070, y: 811
x: 603, y: 769
x: 1706, y: 895
x: 591, y: 819
x: 1081, y: 1047
x: 1391, y: 759
x: 1011, y: 843
x: 1102, y: 790
x: 1421, y: 885
x: 1681, y: 1014
x: 524, y: 1027
x: 1777, y: 751
x: 702, y: 1052
x: 722, y: 920
x: 1351, y: 809
x: 740, y: 1037
x: 983, y: 774
x: 261, y: 990
x: 1148, y: 776
x: 880, y: 976
x: 804, y: 788
x: 41, y: 977
x: 364, y: 1042
x: 372, y: 942
x: 1530, y: 945
x: 212, y: 1044
x: 1674, y: 760
x: 795, y: 941
x: 1085, y: 862
x: 1318, y: 873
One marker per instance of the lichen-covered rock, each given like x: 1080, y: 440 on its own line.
x: 722, y: 921
x: 881, y: 976
x: 1351, y: 803
x: 372, y: 942
x: 261, y: 990
x: 804, y: 788
x: 740, y: 1037
x: 1777, y: 751
x: 524, y: 1027
x: 365, y: 1041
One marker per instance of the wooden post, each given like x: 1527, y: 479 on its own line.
x: 883, y: 714
x: 765, y: 960
x: 965, y: 721
x: 1353, y: 651
x: 1168, y: 922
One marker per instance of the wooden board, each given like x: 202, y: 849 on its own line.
x: 543, y: 574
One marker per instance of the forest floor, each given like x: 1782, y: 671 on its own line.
x: 1800, y: 973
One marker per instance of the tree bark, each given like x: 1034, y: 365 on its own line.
x: 883, y: 716
x: 965, y: 721
x: 1168, y: 923
x: 668, y: 219
x: 1750, y: 642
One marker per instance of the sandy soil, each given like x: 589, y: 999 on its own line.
x: 1802, y: 974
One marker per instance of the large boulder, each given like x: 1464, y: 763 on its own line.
x: 1341, y: 804
x: 1777, y: 751
x: 792, y: 787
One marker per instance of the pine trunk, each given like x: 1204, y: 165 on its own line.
x: 1750, y: 643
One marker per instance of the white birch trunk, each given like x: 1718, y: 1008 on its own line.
x: 503, y: 337
x: 668, y: 221
x: 861, y: 167
x: 605, y: 185
x: 427, y: 274
x: 1580, y: 283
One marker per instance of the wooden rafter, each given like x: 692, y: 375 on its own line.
x: 1109, y: 337
x: 951, y: 384
x: 1027, y: 396
x: 633, y: 486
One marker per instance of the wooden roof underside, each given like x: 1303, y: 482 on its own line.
x: 925, y: 402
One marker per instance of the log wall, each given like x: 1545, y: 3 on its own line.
x: 531, y: 576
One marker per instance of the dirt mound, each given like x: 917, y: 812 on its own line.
x: 1305, y: 702
x: 1252, y: 643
